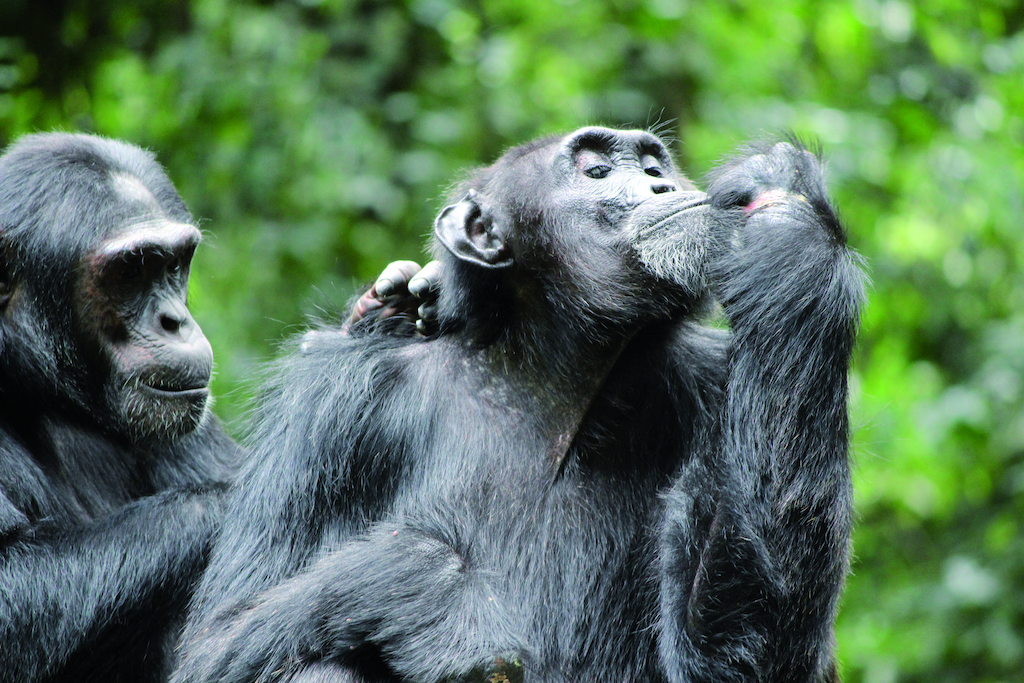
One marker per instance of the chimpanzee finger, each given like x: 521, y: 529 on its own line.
x: 428, y: 311
x: 427, y: 282
x: 395, y: 278
x: 392, y: 282
x: 425, y: 328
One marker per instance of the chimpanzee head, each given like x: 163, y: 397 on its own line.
x: 595, y: 230
x: 95, y: 250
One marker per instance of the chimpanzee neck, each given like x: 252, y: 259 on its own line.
x: 555, y: 375
x: 544, y: 359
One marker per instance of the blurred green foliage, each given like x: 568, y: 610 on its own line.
x: 313, y: 139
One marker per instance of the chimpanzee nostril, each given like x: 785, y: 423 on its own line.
x: 170, y: 323
x: 662, y: 188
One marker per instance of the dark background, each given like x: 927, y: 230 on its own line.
x: 313, y: 140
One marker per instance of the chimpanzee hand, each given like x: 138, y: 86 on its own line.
x: 785, y: 239
x: 766, y: 175
x: 403, y: 288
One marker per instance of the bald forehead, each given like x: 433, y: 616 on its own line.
x: 135, y: 192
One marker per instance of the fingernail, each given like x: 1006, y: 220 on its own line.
x: 418, y: 286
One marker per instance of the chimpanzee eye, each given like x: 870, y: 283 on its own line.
x: 130, y: 270
x: 128, y: 266
x: 593, y: 164
x: 652, y: 166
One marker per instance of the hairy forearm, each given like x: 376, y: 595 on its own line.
x: 395, y: 587
x: 57, y: 591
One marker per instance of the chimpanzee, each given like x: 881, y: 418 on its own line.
x: 110, y: 462
x: 577, y: 479
x: 109, y: 456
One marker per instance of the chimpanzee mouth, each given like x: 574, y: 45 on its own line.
x: 670, y: 234
x: 167, y: 390
x: 665, y: 208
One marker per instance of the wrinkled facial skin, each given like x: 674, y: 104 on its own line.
x: 627, y: 183
x: 130, y: 303
x: 618, y: 169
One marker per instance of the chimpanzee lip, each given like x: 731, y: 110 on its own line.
x: 169, y: 391
x: 673, y: 209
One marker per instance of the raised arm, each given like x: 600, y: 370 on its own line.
x: 758, y: 592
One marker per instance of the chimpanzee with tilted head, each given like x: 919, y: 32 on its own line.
x: 577, y: 479
x: 110, y: 461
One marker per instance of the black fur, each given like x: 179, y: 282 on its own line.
x: 102, y: 531
x: 576, y: 480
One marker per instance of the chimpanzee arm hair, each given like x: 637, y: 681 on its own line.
x: 751, y: 585
x: 63, y: 588
x: 286, y: 600
x: 394, y: 588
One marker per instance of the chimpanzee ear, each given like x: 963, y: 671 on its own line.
x: 471, y: 234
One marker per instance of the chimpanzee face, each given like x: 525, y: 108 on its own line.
x: 131, y: 304
x: 601, y: 217
x: 95, y: 250
x: 616, y: 169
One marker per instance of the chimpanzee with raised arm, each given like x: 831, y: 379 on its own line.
x: 588, y: 483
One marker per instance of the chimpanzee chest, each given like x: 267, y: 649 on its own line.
x: 578, y: 569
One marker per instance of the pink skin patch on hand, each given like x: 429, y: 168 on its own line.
x: 765, y: 199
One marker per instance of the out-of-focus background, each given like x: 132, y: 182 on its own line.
x: 314, y: 138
